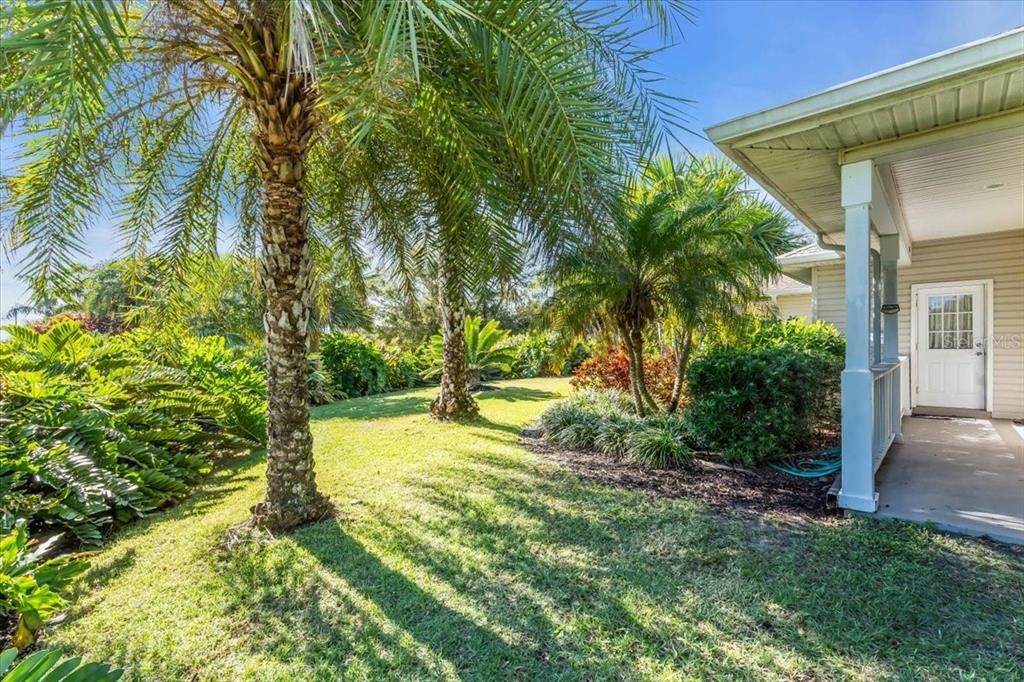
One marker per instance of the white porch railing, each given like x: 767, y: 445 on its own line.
x: 888, y: 409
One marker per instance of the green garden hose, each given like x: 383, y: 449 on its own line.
x: 812, y: 464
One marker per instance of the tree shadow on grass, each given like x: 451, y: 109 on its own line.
x: 324, y: 606
x: 412, y: 401
x: 511, y: 394
x: 837, y: 597
x: 382, y: 406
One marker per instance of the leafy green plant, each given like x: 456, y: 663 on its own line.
x: 47, y: 665
x: 604, y: 421
x: 355, y: 363
x: 95, y: 433
x: 537, y: 354
x: 795, y: 334
x: 321, y: 383
x: 31, y: 584
x: 403, y: 368
x: 487, y: 353
x: 759, y: 405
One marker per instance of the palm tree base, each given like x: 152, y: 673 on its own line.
x: 447, y: 407
x: 280, y: 518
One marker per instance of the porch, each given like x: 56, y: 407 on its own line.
x: 963, y: 475
x: 914, y: 177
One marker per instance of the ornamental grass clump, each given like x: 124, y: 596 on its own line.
x: 603, y: 421
x: 656, y: 447
x: 612, y: 436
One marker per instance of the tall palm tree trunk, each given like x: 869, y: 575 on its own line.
x: 683, y: 347
x: 285, y: 123
x: 454, y: 400
x: 641, y: 374
x: 642, y: 401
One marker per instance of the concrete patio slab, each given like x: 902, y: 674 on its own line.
x: 964, y: 475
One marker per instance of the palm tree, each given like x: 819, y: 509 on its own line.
x: 689, y: 247
x: 284, y: 116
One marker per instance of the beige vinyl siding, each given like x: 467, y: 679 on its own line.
x: 830, y: 303
x: 793, y: 305
x: 998, y: 257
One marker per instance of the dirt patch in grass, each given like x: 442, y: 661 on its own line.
x: 719, y: 485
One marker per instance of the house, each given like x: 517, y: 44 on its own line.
x: 913, y: 181
x: 789, y: 298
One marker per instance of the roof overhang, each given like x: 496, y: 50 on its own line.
x: 919, y: 123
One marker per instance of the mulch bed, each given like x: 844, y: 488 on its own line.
x: 722, y: 486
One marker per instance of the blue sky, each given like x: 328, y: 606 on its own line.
x: 740, y: 57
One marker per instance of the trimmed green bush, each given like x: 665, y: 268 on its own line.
x: 758, y: 405
x: 357, y: 366
x: 795, y: 334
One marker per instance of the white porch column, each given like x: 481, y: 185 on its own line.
x: 858, y: 486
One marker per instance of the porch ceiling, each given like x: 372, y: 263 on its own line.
x: 940, y: 130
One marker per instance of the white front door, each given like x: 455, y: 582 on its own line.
x: 951, y: 346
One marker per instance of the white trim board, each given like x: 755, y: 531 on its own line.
x: 990, y: 378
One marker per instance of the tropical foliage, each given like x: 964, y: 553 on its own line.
x: 609, y: 369
x: 101, y: 430
x: 688, y: 245
x: 47, y: 665
x: 356, y: 365
x: 319, y: 108
x: 31, y: 584
x: 487, y: 351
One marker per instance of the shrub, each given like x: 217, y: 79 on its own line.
x: 403, y: 368
x: 561, y: 415
x: 758, y: 405
x: 656, y: 446
x: 533, y: 355
x: 94, y: 433
x: 579, y: 434
x: 609, y: 369
x: 604, y: 421
x: 796, y: 334
x: 30, y: 584
x: 536, y: 354
x: 612, y: 435
x: 321, y: 383
x: 355, y: 363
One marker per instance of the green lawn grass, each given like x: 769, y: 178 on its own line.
x: 462, y: 556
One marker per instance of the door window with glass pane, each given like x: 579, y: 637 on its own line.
x: 950, y: 322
